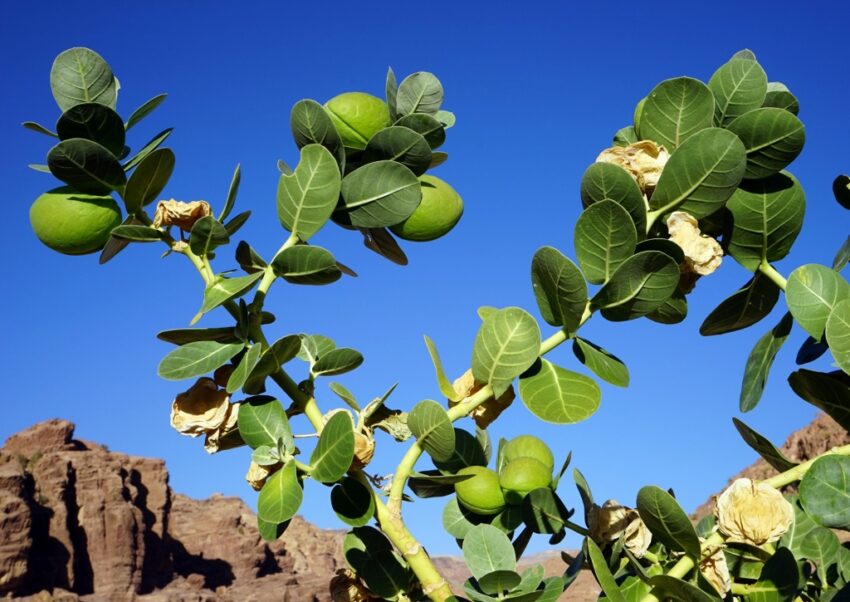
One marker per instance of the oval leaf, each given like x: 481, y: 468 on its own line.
x: 486, y: 549
x: 750, y: 304
x: 353, y: 502
x: 760, y: 361
x: 829, y: 392
x: 763, y: 447
x: 195, y: 359
x: 825, y: 491
x: 606, y: 181
x: 432, y: 130
x: 639, y: 286
x: 773, y: 138
x: 811, y: 293
x: 667, y: 521
x: 544, y: 512
x: 420, y: 92
x: 148, y: 180
x: 224, y: 289
x: 332, y: 456
x: 143, y: 111
x: 95, y: 122
x: 779, y: 96
x: 263, y: 421
x: 605, y: 237
x: 558, y: 395
x: 400, y: 144
x: 311, y: 124
x: 507, y: 344
x: 675, y: 110
x: 739, y: 86
x: 431, y: 426
x: 86, y: 166
x: 307, y: 197
x: 306, y: 265
x: 380, y: 194
x: 280, y: 496
x: 602, y: 572
x: 248, y: 363
x: 337, y: 361
x: 603, y: 364
x: 559, y: 288
x: 80, y: 75
x: 838, y: 334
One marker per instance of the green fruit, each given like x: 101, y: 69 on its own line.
x: 482, y: 493
x: 74, y: 223
x: 438, y: 212
x: 357, y: 117
x: 522, y: 475
x: 528, y: 446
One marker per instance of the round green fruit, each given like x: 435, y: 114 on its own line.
x: 481, y: 494
x: 357, y: 117
x: 439, y: 210
x: 528, y: 446
x: 522, y: 475
x: 74, y: 223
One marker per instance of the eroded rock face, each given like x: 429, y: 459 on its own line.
x: 78, y: 522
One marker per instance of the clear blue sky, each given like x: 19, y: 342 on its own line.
x: 538, y: 89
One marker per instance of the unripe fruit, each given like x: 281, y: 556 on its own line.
x: 357, y: 117
x: 439, y: 210
x: 522, y: 475
x: 74, y: 223
x: 481, y: 494
x: 528, y: 446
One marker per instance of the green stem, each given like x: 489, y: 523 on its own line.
x: 578, y: 529
x: 769, y: 271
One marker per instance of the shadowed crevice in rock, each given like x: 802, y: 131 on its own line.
x: 82, y: 568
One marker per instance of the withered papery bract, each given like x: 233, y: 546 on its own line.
x: 644, y: 160
x: 204, y: 407
x: 716, y: 571
x: 611, y: 521
x: 703, y: 254
x: 483, y: 415
x: 752, y: 512
x: 182, y: 214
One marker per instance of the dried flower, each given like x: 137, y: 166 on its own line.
x: 644, y: 160
x: 257, y: 474
x: 716, y: 571
x: 215, y: 440
x: 485, y: 413
x: 364, y: 449
x: 204, y: 407
x: 611, y: 521
x: 180, y: 213
x: 703, y: 253
x: 752, y: 512
x: 346, y: 587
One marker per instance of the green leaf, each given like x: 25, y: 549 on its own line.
x: 37, y: 127
x: 280, y: 352
x: 487, y: 549
x: 680, y: 591
x: 675, y: 110
x: 507, y: 344
x: 147, y: 149
x: 400, y: 144
x: 195, y: 359
x: 380, y: 194
x: 779, y: 96
x: 747, y: 306
x: 224, y: 289
x: 332, y: 456
x: 263, y: 421
x: 148, y: 180
x: 544, y: 512
x: 673, y: 311
x: 181, y: 336
x: 583, y: 490
x: 232, y: 191
x: 207, y: 235
x: 468, y: 451
x: 420, y: 92
x: 344, y: 394
x: 829, y: 392
x: 602, y: 572
x: 842, y: 257
x: 443, y: 382
x: 606, y: 181
x: 701, y: 175
x: 353, y: 502
x: 95, y: 122
x: 386, y: 576
x: 667, y: 521
x: 248, y: 259
x: 136, y: 233
x: 432, y: 483
x: 739, y: 86
x: 603, y: 364
x: 825, y: 491
x: 558, y: 395
x: 763, y: 447
x: 605, y: 237
x: 86, y: 166
x: 773, y: 138
x: 248, y: 363
x: 821, y: 546
x: 841, y: 190
x: 80, y: 75
x: 307, y: 197
x: 665, y: 245
x: 39, y: 167
x: 337, y: 361
x: 800, y: 527
x: 559, y: 288
x: 838, y: 334
x: 778, y: 581
x: 431, y: 426
x: 432, y: 130
x: 271, y: 531
x: 314, y: 346
x: 811, y: 293
x: 457, y: 522
x: 281, y: 495
x: 767, y: 217
x: 625, y: 136
x: 306, y: 265
x: 382, y: 242
x: 499, y: 582
x: 760, y: 361
x: 311, y: 124
x: 391, y: 88
x: 639, y: 286
x: 361, y: 544
x: 237, y: 222
x: 144, y: 110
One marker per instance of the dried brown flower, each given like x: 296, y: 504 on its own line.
x: 644, y: 160
x: 364, y: 449
x: 483, y: 415
x: 611, y: 521
x: 716, y: 571
x: 204, y: 407
x: 215, y: 440
x: 346, y: 587
x: 703, y: 254
x: 752, y: 512
x: 182, y: 214
x: 257, y: 474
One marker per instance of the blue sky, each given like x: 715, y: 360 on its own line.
x: 538, y: 90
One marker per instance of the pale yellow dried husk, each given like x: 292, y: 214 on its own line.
x: 257, y: 474
x: 611, y: 521
x: 644, y: 160
x: 703, y: 254
x: 212, y: 443
x: 364, y: 450
x: 466, y: 386
x: 346, y: 587
x: 182, y: 214
x: 716, y: 571
x: 752, y: 512
x: 204, y: 407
